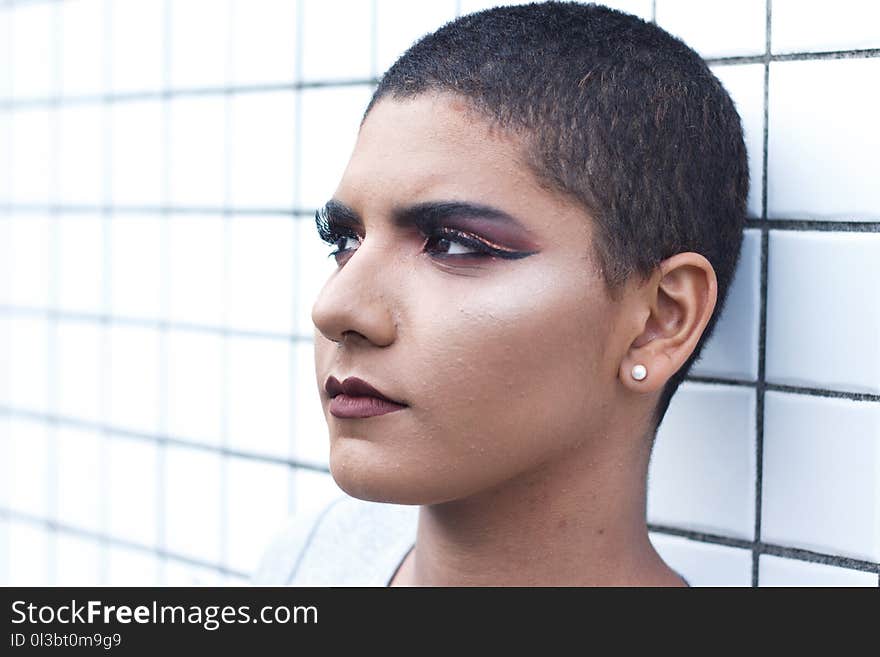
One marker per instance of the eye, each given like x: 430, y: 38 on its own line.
x: 454, y: 243
x: 441, y: 243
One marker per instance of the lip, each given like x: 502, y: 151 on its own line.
x: 355, y: 398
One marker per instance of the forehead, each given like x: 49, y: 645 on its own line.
x: 433, y: 146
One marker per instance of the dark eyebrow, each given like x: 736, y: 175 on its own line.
x: 427, y: 214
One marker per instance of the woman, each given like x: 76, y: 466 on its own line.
x: 535, y: 235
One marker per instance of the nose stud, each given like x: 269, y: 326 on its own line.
x: 639, y: 372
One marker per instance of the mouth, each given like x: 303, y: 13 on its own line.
x: 355, y: 398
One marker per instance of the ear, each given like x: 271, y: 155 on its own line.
x: 679, y: 303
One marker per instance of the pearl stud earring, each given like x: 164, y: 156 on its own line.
x: 639, y: 372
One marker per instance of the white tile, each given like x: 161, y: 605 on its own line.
x: 5, y: 148
x: 29, y: 263
x: 28, y: 364
x: 78, y: 374
x: 29, y: 441
x: 311, y: 438
x: 334, y: 49
x: 704, y: 564
x: 745, y: 84
x: 313, y: 267
x: 5, y: 58
x: 313, y: 491
x: 198, y: 150
x: 28, y: 555
x: 6, y: 323
x: 134, y: 378
x: 6, y: 465
x: 250, y: 485
x: 822, y: 145
x: 80, y: 263
x: 195, y: 386
x: 82, y: 47
x: 137, y: 43
x: 399, y: 24
x: 6, y: 254
x: 180, y: 573
x: 4, y: 553
x: 716, y: 29
x: 137, y: 151
x: 262, y: 150
x: 32, y: 157
x: 821, y: 474
x: 196, y: 268
x: 778, y: 571
x: 258, y: 395
x: 78, y: 561
x: 130, y: 567
x: 81, y: 154
x: 132, y: 497
x: 136, y: 265
x: 823, y: 318
x: 330, y: 121
x: 261, y: 270
x: 263, y: 41
x: 80, y: 497
x: 809, y: 25
x: 199, y: 43
x: 34, y: 39
x: 702, y: 472
x: 193, y: 503
x: 732, y: 350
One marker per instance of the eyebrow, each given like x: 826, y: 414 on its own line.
x: 427, y: 213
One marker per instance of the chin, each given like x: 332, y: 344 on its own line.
x: 362, y: 471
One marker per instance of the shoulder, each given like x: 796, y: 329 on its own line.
x: 348, y: 542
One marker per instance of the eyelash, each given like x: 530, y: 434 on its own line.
x: 331, y: 233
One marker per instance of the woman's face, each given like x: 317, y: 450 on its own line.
x: 505, y: 363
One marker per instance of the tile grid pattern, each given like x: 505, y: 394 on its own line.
x: 757, y: 546
x: 164, y: 440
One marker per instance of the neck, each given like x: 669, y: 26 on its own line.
x: 576, y: 520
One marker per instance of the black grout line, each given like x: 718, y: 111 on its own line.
x: 142, y: 322
x: 819, y: 225
x: 66, y: 421
x: 293, y: 479
x: 161, y: 446
x: 170, y: 93
x: 105, y: 353
x: 866, y: 53
x: 12, y: 515
x: 772, y: 549
x: 57, y: 29
x: 110, y: 320
x: 305, y: 214
x: 226, y: 217
x: 762, y: 224
x: 761, y: 386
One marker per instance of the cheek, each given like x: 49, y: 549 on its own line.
x: 504, y: 380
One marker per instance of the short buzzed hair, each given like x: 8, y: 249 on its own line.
x: 615, y: 113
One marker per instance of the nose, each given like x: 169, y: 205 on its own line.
x: 357, y: 300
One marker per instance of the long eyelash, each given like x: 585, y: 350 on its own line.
x: 328, y: 231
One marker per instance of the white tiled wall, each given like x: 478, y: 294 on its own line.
x: 205, y: 264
